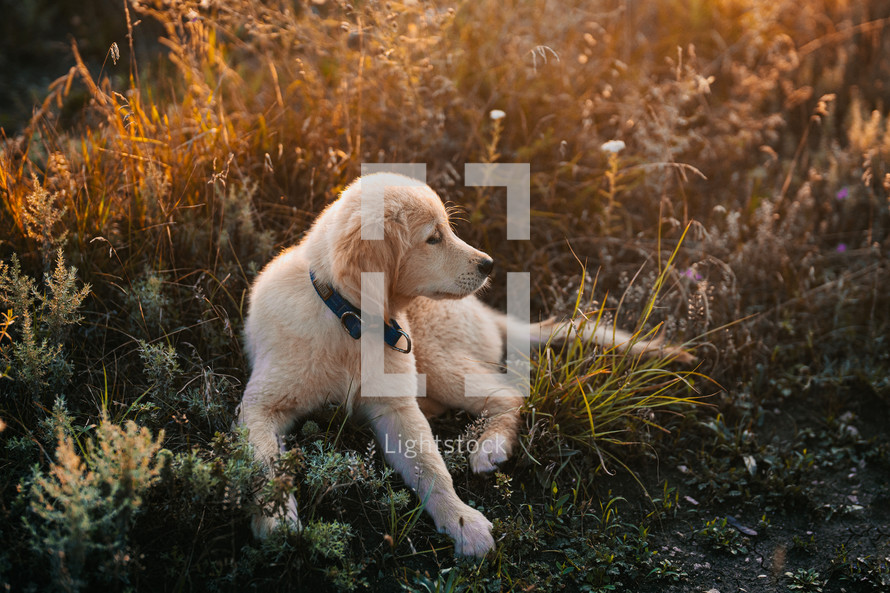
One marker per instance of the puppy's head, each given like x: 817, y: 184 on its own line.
x: 419, y: 254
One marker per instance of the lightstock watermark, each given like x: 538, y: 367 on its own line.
x: 411, y: 448
x: 399, y: 379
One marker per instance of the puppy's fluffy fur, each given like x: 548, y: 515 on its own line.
x: 301, y: 357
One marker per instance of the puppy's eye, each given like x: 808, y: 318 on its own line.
x: 434, y: 239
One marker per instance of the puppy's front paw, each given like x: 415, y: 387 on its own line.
x: 490, y: 451
x: 470, y: 530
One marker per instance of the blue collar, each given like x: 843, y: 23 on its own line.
x: 351, y: 318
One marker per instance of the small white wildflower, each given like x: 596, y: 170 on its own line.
x: 613, y: 146
x: 496, y: 114
x: 702, y: 84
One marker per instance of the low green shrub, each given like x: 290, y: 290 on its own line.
x: 83, y: 505
x: 38, y: 325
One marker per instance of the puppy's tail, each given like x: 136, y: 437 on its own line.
x: 604, y: 335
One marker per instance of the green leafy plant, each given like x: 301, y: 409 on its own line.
x: 330, y: 540
x: 868, y: 572
x: 721, y: 536
x: 805, y: 579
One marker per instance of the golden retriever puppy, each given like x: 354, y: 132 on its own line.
x: 437, y: 334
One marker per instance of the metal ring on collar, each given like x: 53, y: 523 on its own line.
x: 407, y: 339
x: 343, y: 321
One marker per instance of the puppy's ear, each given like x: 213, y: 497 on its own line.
x: 353, y: 255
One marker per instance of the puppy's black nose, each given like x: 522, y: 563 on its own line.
x: 485, y: 266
